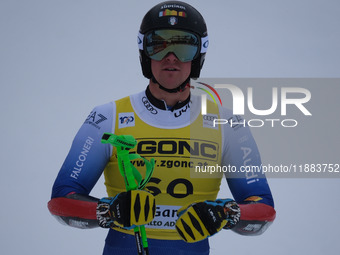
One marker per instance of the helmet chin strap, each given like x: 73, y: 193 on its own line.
x: 180, y: 88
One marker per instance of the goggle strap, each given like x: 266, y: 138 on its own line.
x: 204, y: 44
x: 140, y: 41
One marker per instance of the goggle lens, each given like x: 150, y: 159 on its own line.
x: 183, y: 44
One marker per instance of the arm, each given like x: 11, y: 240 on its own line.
x: 75, y: 210
x: 70, y: 201
x: 255, y: 218
x: 250, y: 190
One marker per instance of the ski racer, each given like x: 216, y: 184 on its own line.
x: 179, y: 206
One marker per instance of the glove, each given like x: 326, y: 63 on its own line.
x: 204, y: 219
x: 126, y: 210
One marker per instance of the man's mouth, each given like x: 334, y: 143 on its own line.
x: 170, y: 69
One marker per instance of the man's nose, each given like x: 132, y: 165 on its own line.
x: 171, y: 57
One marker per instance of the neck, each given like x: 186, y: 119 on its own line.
x: 170, y: 99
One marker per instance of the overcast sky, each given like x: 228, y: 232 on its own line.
x: 58, y: 59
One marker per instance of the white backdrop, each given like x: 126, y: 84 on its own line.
x: 58, y: 59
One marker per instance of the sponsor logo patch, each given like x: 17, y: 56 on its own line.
x: 95, y: 119
x: 126, y: 119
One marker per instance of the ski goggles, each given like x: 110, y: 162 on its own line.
x: 185, y: 45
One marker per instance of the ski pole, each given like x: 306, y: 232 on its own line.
x: 132, y: 178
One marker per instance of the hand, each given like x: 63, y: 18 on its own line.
x: 127, y: 209
x: 204, y: 219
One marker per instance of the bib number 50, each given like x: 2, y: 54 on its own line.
x: 189, y: 189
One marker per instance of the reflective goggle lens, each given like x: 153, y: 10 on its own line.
x: 160, y: 43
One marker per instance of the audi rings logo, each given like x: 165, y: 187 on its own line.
x: 209, y: 117
x: 148, y: 106
x: 208, y: 120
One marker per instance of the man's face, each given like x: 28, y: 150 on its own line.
x: 170, y: 72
